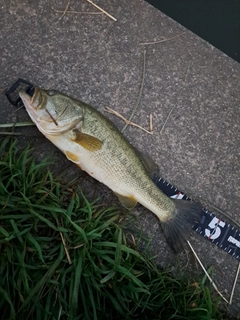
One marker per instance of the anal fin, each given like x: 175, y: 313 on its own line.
x: 128, y: 202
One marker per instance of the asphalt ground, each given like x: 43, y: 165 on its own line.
x: 191, y: 89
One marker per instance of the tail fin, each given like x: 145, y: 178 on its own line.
x: 176, y: 228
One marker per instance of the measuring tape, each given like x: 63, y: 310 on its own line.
x: 210, y: 227
x: 222, y: 234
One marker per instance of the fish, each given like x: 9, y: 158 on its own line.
x: 95, y: 145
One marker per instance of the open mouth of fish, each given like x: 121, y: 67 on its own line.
x: 33, y: 103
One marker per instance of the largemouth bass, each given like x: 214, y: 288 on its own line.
x: 95, y: 145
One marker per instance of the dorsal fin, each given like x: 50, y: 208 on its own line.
x: 151, y: 167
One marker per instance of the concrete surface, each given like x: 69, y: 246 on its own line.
x: 100, y: 61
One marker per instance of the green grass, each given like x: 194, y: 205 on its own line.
x: 62, y: 257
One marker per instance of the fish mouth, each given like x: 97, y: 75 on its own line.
x: 25, y: 97
x: 35, y: 107
x: 34, y: 103
x: 30, y: 100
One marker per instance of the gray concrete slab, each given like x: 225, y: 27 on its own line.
x: 100, y: 61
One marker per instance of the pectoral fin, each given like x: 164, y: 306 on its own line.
x: 73, y: 157
x: 128, y: 202
x: 88, y: 142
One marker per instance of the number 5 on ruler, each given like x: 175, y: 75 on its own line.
x: 213, y: 231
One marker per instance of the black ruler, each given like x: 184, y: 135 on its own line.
x: 219, y: 232
x: 210, y: 227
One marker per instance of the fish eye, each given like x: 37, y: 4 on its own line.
x: 51, y: 92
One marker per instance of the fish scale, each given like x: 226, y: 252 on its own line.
x: 117, y: 163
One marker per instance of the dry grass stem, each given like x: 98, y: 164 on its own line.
x: 66, y: 9
x: 109, y: 110
x: 103, y: 11
x: 132, y: 240
x: 19, y: 108
x: 171, y: 111
x: 49, y: 86
x: 234, y: 284
x: 60, y: 312
x: 168, y: 116
x: 160, y: 41
x: 151, y: 122
x: 76, y: 247
x: 205, y: 271
x: 16, y: 124
x: 10, y: 133
x: 75, y: 12
x: 224, y: 214
x: 140, y: 92
x: 65, y: 248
